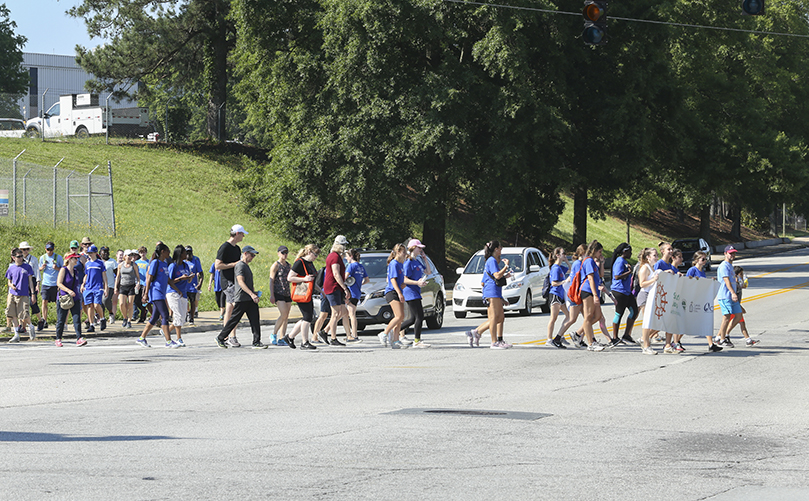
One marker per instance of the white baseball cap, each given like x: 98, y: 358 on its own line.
x: 237, y: 228
x: 24, y: 245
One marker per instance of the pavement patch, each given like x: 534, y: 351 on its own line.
x: 525, y: 416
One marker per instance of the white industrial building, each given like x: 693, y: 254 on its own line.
x: 53, y: 76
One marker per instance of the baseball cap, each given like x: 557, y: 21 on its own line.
x: 86, y: 240
x: 237, y: 228
x: 730, y: 248
x: 283, y: 248
x: 415, y: 243
x: 24, y: 245
x: 189, y: 248
x: 134, y: 252
x: 250, y: 249
x: 92, y: 248
x: 49, y: 246
x: 341, y: 240
x: 72, y: 255
x: 104, y: 247
x: 74, y: 244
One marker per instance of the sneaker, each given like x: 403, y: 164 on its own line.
x: 658, y: 339
x: 714, y: 348
x: 575, y: 338
x: 726, y: 343
x: 678, y: 347
x: 406, y: 341
x: 172, y: 344
x: 81, y: 341
x: 420, y: 344
x: 398, y: 345
x: 506, y: 345
x: 259, y: 346
x: 669, y: 350
x: 111, y: 320
x: 233, y: 342
x: 142, y: 341
x: 383, y: 339
x: 15, y: 339
x: 40, y: 325
x: 86, y: 324
x: 58, y: 343
x: 308, y: 346
x: 221, y: 317
x: 648, y: 351
x: 196, y: 314
x: 595, y: 347
x: 281, y: 342
x: 716, y: 339
x: 497, y: 345
x: 353, y: 340
x: 322, y: 335
x: 470, y: 335
x: 751, y: 342
x: 336, y: 342
x: 221, y: 343
x: 628, y: 340
x: 32, y: 332
x: 477, y: 339
x: 180, y: 343
x: 90, y: 328
x: 290, y: 342
x: 557, y: 343
x: 614, y: 342
x: 273, y: 339
x: 549, y: 343
x: 103, y: 323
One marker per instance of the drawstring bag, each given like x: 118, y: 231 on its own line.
x: 66, y: 302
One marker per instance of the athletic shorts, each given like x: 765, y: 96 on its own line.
x: 126, y: 290
x: 624, y: 301
x: 336, y: 298
x: 391, y: 296
x: 93, y: 297
x: 585, y: 295
x: 283, y: 299
x: 554, y: 299
x: 220, y: 298
x: 49, y: 293
x: 325, y: 307
x: 230, y: 293
x: 354, y: 301
x: 192, y: 296
x: 729, y: 307
x: 307, y: 311
x: 642, y: 297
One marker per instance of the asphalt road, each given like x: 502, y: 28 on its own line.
x: 113, y: 420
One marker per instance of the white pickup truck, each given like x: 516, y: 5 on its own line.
x: 80, y: 115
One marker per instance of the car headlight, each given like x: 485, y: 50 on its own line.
x: 377, y: 294
x: 513, y: 285
x: 459, y: 287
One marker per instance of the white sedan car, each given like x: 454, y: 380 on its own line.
x: 523, y: 292
x: 12, y: 127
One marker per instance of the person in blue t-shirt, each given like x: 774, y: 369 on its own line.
x: 664, y: 265
x: 49, y: 265
x: 214, y: 282
x: 699, y: 261
x: 556, y: 297
x: 154, y: 291
x: 394, y: 295
x: 20, y: 278
x: 575, y: 309
x: 622, y: 292
x: 195, y: 267
x: 493, y: 296
x: 142, y: 308
x: 415, y: 268
x: 94, y: 288
x: 727, y: 297
x: 179, y: 282
x: 355, y: 278
x: 590, y: 283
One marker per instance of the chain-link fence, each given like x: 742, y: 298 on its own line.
x: 38, y: 194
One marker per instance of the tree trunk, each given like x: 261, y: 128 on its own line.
x: 579, y: 216
x: 705, y: 223
x: 435, y: 235
x: 736, y: 229
x: 216, y: 68
x: 627, y: 230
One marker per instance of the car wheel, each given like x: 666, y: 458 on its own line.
x: 82, y: 133
x: 526, y: 312
x: 437, y: 320
x: 32, y: 132
x: 460, y: 314
x: 546, y: 306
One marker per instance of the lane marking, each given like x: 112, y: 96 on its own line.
x: 778, y: 270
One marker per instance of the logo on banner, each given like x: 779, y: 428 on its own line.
x: 708, y: 307
x: 660, y: 301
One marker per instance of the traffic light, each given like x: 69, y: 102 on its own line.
x: 595, y: 21
x: 753, y: 7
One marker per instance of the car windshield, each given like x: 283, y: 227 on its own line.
x: 686, y: 245
x: 375, y: 266
x: 477, y: 263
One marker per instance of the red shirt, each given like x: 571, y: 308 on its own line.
x: 329, y: 283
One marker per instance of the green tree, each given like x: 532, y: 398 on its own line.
x: 13, y: 79
x: 161, y: 48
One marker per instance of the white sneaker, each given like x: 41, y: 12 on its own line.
x: 111, y: 320
x: 32, y: 332
x: 420, y: 344
x: 648, y: 351
x: 398, y: 345
x: 406, y: 341
x: 15, y: 339
x: 383, y: 339
x: 595, y: 347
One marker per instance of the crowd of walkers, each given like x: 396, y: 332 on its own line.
x: 163, y: 289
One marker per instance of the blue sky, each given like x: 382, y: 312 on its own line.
x: 48, y: 29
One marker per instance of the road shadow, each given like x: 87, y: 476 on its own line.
x: 21, y: 436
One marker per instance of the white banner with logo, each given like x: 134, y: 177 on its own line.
x: 681, y: 305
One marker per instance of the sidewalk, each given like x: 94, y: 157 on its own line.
x: 796, y: 243
x: 207, y: 321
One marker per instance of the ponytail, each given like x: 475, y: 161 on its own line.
x: 489, y: 249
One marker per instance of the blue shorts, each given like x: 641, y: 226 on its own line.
x: 491, y: 290
x: 729, y: 307
x: 336, y: 298
x: 325, y: 307
x: 93, y: 297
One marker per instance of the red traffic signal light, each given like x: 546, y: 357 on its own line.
x: 595, y: 22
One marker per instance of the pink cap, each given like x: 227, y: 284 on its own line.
x: 415, y: 243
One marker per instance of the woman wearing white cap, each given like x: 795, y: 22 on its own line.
x: 414, y: 271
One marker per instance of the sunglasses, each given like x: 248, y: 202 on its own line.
x: 16, y: 256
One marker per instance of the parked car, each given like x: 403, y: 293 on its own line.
x: 689, y: 246
x: 523, y: 292
x: 373, y: 309
x: 12, y: 127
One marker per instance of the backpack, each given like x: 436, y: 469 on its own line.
x: 634, y: 286
x: 321, y: 276
x: 574, y: 291
x: 546, y: 286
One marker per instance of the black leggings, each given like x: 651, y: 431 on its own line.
x: 416, y: 318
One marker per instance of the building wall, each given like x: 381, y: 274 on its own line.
x: 59, y: 75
